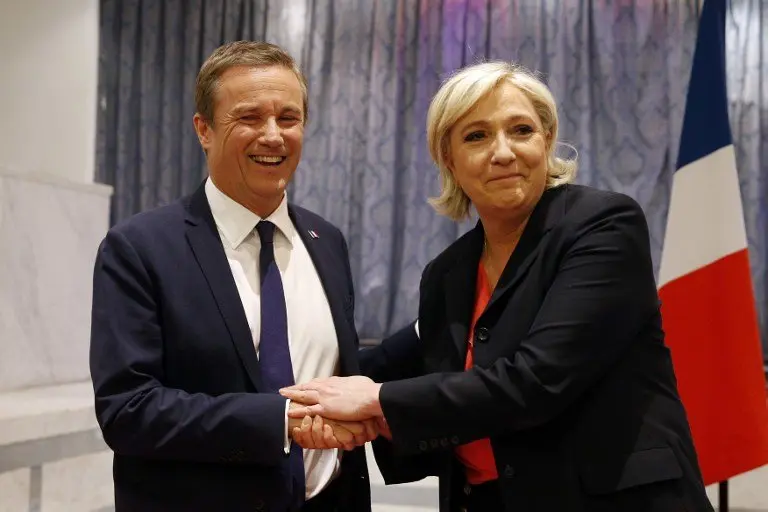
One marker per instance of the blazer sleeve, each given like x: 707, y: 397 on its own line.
x: 601, y: 296
x: 141, y: 417
x: 398, y: 356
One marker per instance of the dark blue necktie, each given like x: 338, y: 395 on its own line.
x: 274, y: 354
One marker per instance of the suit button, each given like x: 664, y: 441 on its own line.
x: 434, y: 443
x: 444, y: 442
x: 482, y: 334
x: 509, y: 471
x: 259, y: 506
x: 455, y: 440
x: 423, y: 446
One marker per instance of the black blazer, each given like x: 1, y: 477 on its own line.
x: 572, y: 381
x: 175, y: 372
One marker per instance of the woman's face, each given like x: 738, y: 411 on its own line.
x: 498, y: 153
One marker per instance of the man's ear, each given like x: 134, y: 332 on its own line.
x: 203, y: 130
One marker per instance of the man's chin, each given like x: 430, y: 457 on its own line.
x: 269, y: 186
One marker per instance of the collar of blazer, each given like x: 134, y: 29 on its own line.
x: 460, y: 276
x: 326, y: 254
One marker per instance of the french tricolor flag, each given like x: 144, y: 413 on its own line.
x: 708, y: 305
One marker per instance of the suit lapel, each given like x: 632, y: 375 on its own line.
x: 545, y: 216
x: 459, y: 285
x: 204, y: 240
x: 460, y: 281
x: 328, y: 262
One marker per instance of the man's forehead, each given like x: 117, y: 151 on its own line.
x: 270, y: 77
x: 264, y: 103
x: 258, y: 87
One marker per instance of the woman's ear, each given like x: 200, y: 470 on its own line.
x: 448, y: 158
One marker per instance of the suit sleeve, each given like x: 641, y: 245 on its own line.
x: 141, y: 417
x: 602, y: 294
x: 350, y: 306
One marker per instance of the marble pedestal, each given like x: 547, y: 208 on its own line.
x: 52, y: 457
x: 49, y: 233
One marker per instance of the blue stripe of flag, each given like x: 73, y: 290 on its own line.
x: 705, y: 126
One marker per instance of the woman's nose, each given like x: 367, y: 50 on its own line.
x: 503, y: 153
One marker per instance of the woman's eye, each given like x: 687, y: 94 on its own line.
x: 524, y: 129
x: 473, y: 136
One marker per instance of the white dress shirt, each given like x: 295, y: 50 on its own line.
x: 311, y: 333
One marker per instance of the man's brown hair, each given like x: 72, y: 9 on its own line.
x: 236, y: 54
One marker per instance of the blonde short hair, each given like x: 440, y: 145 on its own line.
x: 255, y: 54
x: 457, y: 96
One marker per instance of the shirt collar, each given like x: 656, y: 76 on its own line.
x: 236, y: 222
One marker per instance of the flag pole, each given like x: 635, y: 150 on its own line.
x: 722, y: 496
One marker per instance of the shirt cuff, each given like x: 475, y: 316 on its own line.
x: 287, y: 441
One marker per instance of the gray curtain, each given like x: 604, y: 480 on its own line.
x: 747, y: 59
x: 618, y: 69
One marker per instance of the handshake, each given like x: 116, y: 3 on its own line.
x: 338, y: 412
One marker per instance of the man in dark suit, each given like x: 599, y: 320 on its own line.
x: 204, y: 308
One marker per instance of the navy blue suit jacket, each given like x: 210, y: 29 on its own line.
x: 175, y: 373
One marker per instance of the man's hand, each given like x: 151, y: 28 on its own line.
x: 353, y: 398
x: 322, y: 434
x: 383, y: 428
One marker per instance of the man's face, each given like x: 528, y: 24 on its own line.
x: 253, y: 145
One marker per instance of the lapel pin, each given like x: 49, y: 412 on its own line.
x: 313, y: 234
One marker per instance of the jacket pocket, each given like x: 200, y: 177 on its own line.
x: 643, y: 467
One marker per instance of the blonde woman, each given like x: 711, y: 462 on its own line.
x: 536, y: 378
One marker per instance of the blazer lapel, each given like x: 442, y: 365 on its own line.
x: 204, y: 240
x: 459, y: 284
x: 546, y: 214
x: 333, y: 276
x: 460, y: 281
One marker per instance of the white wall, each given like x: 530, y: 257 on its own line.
x: 48, y: 84
x: 52, y: 215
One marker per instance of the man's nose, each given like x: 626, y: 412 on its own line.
x: 271, y: 136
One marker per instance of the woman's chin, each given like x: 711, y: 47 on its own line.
x: 510, y: 199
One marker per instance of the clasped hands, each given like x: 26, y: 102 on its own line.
x: 338, y: 412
